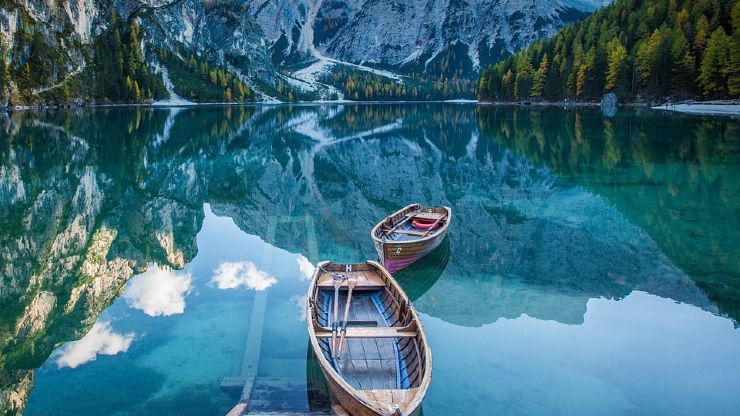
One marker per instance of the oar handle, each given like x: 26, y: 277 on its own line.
x: 351, y: 283
x: 431, y: 227
x: 338, y: 280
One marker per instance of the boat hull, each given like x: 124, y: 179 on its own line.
x: 395, y: 256
x: 351, y: 405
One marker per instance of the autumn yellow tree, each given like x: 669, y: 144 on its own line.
x: 617, y: 66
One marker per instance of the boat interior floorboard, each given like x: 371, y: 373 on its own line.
x: 366, y: 363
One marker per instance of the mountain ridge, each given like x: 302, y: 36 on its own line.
x: 50, y: 57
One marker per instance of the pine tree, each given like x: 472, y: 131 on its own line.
x: 137, y: 91
x: 4, y: 69
x: 581, y: 80
x: 654, y: 62
x: 507, y: 89
x: 645, y: 58
x: 682, y: 62
x: 65, y: 92
x: 654, y: 48
x: 523, y: 84
x: 682, y: 21
x: 136, y: 59
x: 540, y: 75
x: 571, y: 83
x: 702, y: 33
x: 26, y: 73
x: 129, y: 86
x: 715, y: 65
x: 733, y: 76
x: 617, y: 72
x: 552, y: 88
x: 117, y: 46
x: 483, y: 85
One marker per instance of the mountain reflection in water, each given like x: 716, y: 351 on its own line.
x: 551, y: 207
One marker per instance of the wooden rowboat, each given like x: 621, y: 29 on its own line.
x: 373, y: 353
x: 410, y: 234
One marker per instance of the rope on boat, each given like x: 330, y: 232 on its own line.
x: 335, y: 275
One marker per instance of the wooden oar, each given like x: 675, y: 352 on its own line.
x: 351, y: 283
x: 431, y: 228
x: 402, y: 222
x: 338, y: 279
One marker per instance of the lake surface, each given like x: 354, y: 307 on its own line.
x: 151, y: 258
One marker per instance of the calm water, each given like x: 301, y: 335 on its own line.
x: 592, y: 265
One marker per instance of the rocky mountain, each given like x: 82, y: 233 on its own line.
x: 436, y: 37
x: 52, y: 50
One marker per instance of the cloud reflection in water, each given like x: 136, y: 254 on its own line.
x: 158, y: 292
x: 305, y: 267
x: 230, y: 275
x: 100, y: 340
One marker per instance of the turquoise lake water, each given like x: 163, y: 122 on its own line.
x: 592, y: 264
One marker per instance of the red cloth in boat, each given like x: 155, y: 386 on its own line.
x: 424, y: 224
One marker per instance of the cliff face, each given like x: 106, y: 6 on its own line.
x: 217, y: 31
x: 422, y: 36
x: 429, y: 35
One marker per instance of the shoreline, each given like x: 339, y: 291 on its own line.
x: 193, y: 104
x: 727, y: 108
x: 542, y: 103
x: 713, y: 108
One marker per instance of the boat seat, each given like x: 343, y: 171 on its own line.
x: 368, y: 332
x: 412, y: 232
x: 367, y: 322
x: 359, y: 287
x: 434, y: 216
x: 365, y: 281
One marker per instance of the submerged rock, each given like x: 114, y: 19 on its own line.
x: 609, y: 103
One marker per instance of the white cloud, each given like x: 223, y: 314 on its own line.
x: 158, y: 291
x: 245, y: 273
x: 300, y: 300
x: 100, y: 340
x: 305, y: 267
